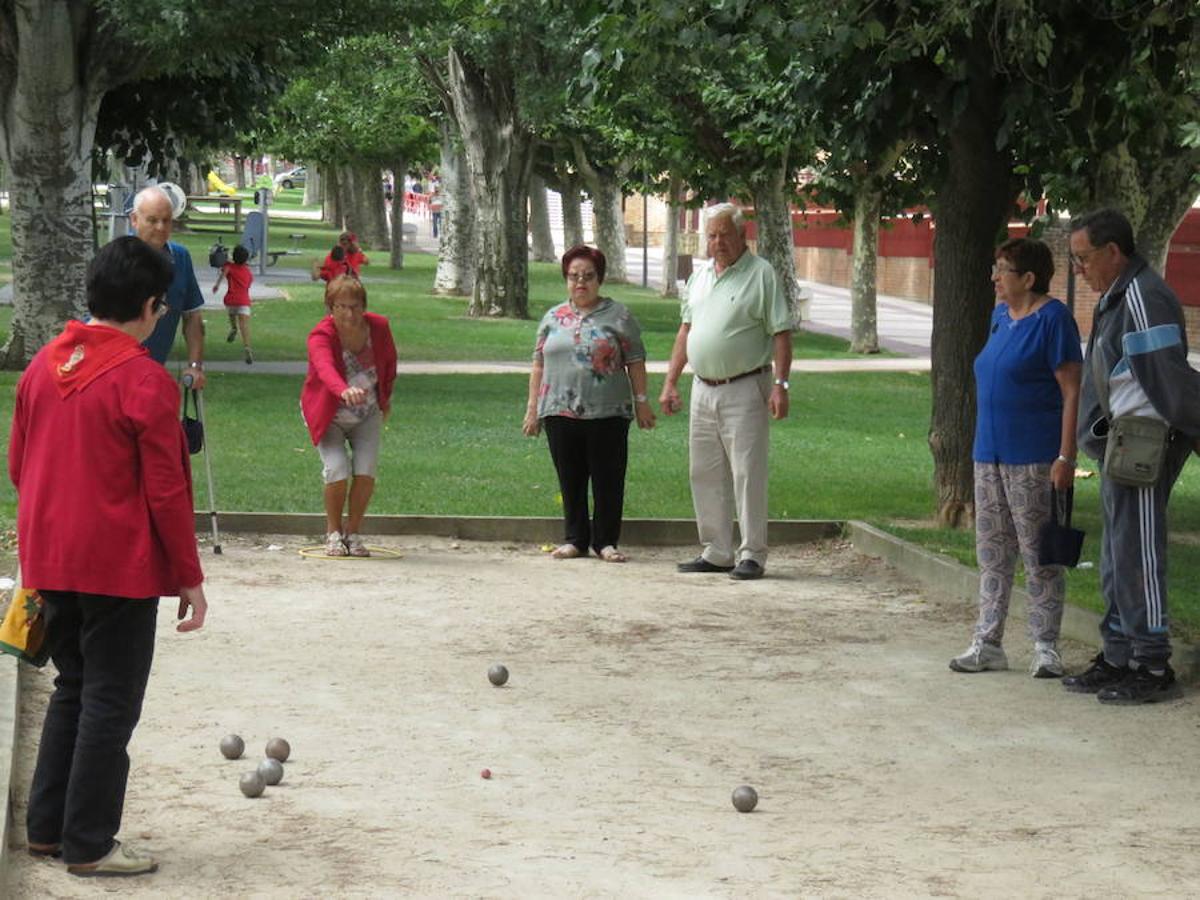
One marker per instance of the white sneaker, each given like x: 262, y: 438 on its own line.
x: 1046, y: 661
x: 334, y: 544
x: 980, y: 657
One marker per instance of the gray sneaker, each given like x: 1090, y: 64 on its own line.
x: 1046, y: 661
x: 980, y: 657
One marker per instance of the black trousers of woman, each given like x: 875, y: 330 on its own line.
x: 595, y: 450
x: 102, y: 647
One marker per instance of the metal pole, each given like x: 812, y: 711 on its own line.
x: 645, y: 241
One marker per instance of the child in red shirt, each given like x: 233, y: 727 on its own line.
x: 237, y: 297
x: 334, y: 265
x: 355, y: 258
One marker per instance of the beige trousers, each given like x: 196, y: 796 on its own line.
x: 728, y: 437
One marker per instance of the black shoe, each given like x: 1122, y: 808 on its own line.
x: 746, y: 570
x: 230, y: 337
x: 700, y: 564
x: 1142, y: 686
x: 1100, y: 674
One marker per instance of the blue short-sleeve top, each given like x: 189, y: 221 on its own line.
x: 1020, y: 405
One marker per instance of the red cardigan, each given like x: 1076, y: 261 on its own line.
x: 101, y: 470
x: 326, y: 378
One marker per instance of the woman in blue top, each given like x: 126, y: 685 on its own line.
x: 1027, y: 383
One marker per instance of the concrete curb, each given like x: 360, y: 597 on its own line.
x: 9, y: 702
x: 952, y: 581
x: 530, y: 529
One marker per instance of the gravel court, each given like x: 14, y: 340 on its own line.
x: 638, y: 700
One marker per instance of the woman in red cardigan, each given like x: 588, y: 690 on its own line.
x: 105, y: 527
x: 347, y: 393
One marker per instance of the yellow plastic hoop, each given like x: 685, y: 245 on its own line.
x: 376, y: 553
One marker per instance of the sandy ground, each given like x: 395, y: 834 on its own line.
x: 639, y: 699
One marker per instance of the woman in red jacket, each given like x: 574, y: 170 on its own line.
x: 347, y: 393
x: 105, y: 527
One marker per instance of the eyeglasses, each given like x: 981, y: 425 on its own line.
x: 1081, y: 259
x: 1004, y: 270
x: 581, y: 277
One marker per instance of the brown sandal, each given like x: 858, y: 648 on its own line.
x: 613, y: 555
x: 565, y: 551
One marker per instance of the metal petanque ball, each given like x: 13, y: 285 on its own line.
x: 278, y: 748
x: 745, y: 798
x: 252, y: 784
x: 232, y: 746
x: 271, y: 771
x: 498, y: 675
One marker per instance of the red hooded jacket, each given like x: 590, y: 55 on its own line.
x: 101, y: 469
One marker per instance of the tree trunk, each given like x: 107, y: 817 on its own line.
x: 312, y: 187
x: 335, y: 195
x: 670, y: 286
x: 972, y: 205
x: 572, y: 212
x: 608, y: 223
x: 239, y: 172
x: 773, y: 214
x: 1154, y: 190
x: 365, y: 215
x: 49, y: 99
x: 397, y: 222
x: 456, y: 235
x: 864, y: 334
x: 539, y: 221
x: 608, y: 218
x: 498, y: 153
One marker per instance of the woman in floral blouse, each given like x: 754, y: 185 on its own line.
x: 588, y: 380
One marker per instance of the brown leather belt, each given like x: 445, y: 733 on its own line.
x: 720, y: 381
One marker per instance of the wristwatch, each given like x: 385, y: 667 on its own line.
x: 196, y: 365
x: 639, y: 398
x: 782, y: 382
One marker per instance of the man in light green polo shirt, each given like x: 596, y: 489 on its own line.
x: 737, y: 336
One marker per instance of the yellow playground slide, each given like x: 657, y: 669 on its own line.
x: 217, y: 186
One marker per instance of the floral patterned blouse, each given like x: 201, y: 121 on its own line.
x: 584, y: 359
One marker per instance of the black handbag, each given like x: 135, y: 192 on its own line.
x: 193, y: 430
x: 1058, y: 543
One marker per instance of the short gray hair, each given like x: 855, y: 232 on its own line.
x: 727, y: 210
x: 151, y: 191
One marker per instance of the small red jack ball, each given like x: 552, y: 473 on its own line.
x: 486, y: 773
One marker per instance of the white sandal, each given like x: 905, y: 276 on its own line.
x: 565, y: 551
x: 355, y: 545
x: 334, y: 544
x: 613, y: 555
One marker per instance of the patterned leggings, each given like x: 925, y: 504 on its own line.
x: 1011, y: 504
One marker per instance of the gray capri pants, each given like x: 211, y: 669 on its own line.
x: 364, y: 441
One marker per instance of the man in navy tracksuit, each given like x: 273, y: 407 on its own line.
x: 1136, y: 364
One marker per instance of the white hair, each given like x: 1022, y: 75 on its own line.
x: 727, y: 210
x: 146, y: 193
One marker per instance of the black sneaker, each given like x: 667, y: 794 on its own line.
x: 700, y: 564
x: 747, y: 570
x: 1100, y: 674
x: 1142, y: 686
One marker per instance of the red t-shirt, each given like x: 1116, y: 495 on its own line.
x: 332, y: 268
x: 239, y: 278
x: 356, y: 259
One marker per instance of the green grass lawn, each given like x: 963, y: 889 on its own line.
x: 853, y: 448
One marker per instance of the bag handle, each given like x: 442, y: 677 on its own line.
x: 1061, y: 505
x: 186, y: 393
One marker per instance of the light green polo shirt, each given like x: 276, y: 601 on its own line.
x: 734, y: 317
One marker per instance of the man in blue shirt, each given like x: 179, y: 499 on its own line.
x: 152, y: 219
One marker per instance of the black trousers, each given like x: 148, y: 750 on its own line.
x: 595, y: 450
x: 102, y: 647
